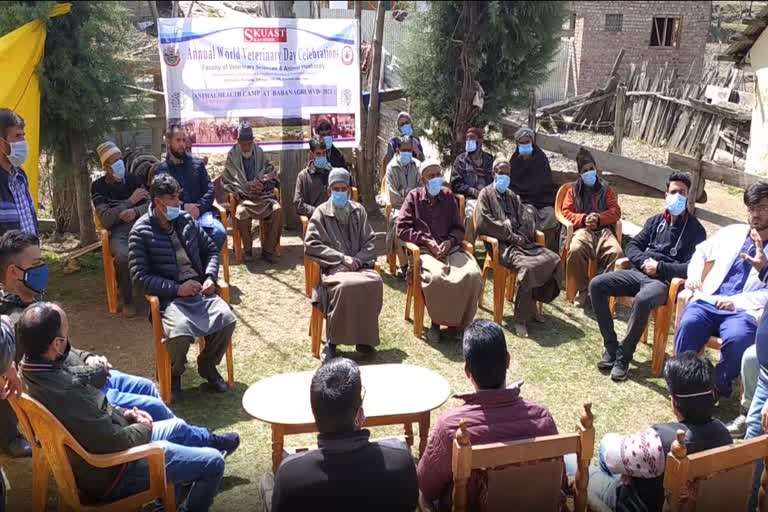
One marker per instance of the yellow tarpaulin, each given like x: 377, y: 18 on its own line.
x: 20, y: 55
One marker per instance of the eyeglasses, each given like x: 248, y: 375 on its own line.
x: 759, y: 209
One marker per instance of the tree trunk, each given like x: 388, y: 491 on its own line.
x: 62, y: 191
x: 82, y: 182
x: 367, y: 192
x: 465, y: 111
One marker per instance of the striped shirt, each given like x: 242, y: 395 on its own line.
x: 21, y: 210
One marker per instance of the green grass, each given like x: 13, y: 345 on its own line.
x: 557, y: 362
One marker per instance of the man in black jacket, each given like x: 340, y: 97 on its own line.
x: 347, y: 472
x: 173, y: 258
x: 660, y: 252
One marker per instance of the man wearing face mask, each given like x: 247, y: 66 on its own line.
x: 451, y: 279
x: 119, y: 199
x: 17, y: 210
x: 324, y: 132
x: 404, y: 129
x: 173, y: 258
x: 347, y: 471
x: 196, y: 185
x: 402, y: 176
x: 472, y: 171
x: 592, y: 206
x: 340, y: 238
x: 312, y: 182
x: 659, y: 253
x: 501, y: 214
x: 252, y: 178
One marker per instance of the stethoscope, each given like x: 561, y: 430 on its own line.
x: 663, y: 226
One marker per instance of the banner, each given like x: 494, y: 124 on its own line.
x: 281, y: 75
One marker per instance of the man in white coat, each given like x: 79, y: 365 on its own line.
x: 729, y: 300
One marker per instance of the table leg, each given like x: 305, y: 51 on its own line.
x: 277, y: 446
x: 423, y: 432
x: 408, y: 429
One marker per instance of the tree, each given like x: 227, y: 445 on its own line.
x: 494, y: 50
x: 83, y: 77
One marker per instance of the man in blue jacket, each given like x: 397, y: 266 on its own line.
x: 196, y: 187
x: 660, y: 252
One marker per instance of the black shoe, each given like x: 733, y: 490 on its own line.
x: 269, y: 258
x: 365, y: 349
x: 216, y: 383
x: 129, y: 311
x: 328, y: 353
x: 401, y: 272
x: 176, y: 388
x: 620, y: 370
x: 19, y: 448
x: 607, y: 361
x: 227, y: 442
x: 433, y: 334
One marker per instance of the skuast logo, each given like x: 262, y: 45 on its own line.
x: 265, y: 35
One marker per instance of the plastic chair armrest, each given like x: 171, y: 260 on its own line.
x: 494, y: 243
x: 468, y: 248
x: 539, y: 238
x: 146, y: 451
x: 622, y: 264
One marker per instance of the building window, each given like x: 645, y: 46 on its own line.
x: 665, y: 32
x: 614, y: 22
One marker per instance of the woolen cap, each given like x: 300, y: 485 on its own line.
x: 246, y: 132
x: 524, y: 132
x: 500, y: 160
x: 106, y: 150
x: 584, y: 157
x: 337, y: 175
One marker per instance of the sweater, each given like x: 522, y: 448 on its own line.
x: 601, y: 199
x: 111, y: 198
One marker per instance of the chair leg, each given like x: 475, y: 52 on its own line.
x: 40, y: 473
x: 236, y: 241
x: 408, y: 297
x: 612, y: 301
x: 570, y: 288
x: 316, y: 327
x: 230, y: 366
x: 164, y: 374
x: 225, y: 260
x: 511, y: 286
x: 660, y: 336
x: 307, y: 277
x: 499, y: 287
x: 486, y: 271
x: 418, y: 313
x: 392, y: 262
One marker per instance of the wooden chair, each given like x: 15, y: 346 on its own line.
x: 162, y: 358
x: 391, y: 256
x: 684, y: 298
x: 714, y: 480
x: 413, y: 292
x: 236, y: 238
x: 308, y: 269
x: 317, y: 317
x: 110, y: 272
x: 55, y: 441
x: 504, y: 279
x: 570, y: 284
x: 662, y: 317
x: 526, y: 474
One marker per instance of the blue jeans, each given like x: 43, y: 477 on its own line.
x: 187, y: 460
x: 736, y: 328
x: 602, y: 483
x: 759, y: 398
x: 129, y: 391
x: 217, y: 232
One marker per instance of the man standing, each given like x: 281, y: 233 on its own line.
x: 324, y: 132
x: 17, y: 210
x: 350, y: 294
x: 173, y: 258
x: 591, y: 205
x: 312, y: 182
x: 451, y: 280
x: 729, y: 300
x: 472, y: 171
x: 119, y: 199
x: 402, y: 176
x: 196, y: 186
x: 659, y: 253
x: 252, y: 178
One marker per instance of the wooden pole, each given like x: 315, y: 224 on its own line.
x: 368, y: 195
x: 618, y: 125
x: 697, y: 179
x: 361, y: 153
x: 532, y: 111
x: 153, y: 8
x: 617, y: 62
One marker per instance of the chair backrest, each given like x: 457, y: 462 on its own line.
x: 713, y: 480
x: 218, y: 191
x: 559, y: 199
x: 97, y: 221
x: 355, y: 195
x: 527, y: 472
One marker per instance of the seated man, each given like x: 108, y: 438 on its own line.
x: 252, y: 178
x: 347, y: 471
x: 192, y: 454
x: 450, y: 278
x: 493, y: 413
x: 312, y: 182
x: 630, y: 470
x: 350, y: 294
x: 402, y: 176
x: 531, y: 180
x: 324, y: 133
x: 404, y: 129
x: 659, y: 253
x: 173, y: 258
x: 119, y: 199
x: 24, y: 277
x: 196, y: 186
x: 500, y: 214
x: 11, y: 387
x: 593, y: 208
x: 729, y: 300
x: 472, y: 171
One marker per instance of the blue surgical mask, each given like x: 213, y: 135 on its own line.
x: 405, y: 157
x: 676, y: 203
x: 470, y: 146
x: 36, y: 278
x: 589, y: 177
x: 406, y: 129
x: 118, y: 170
x: 172, y: 213
x: 19, y: 151
x: 321, y: 162
x: 502, y: 183
x: 525, y: 149
x: 434, y: 185
x: 328, y: 139
x: 339, y: 199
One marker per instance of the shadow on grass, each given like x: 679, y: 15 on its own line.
x: 553, y: 333
x: 229, y: 408
x: 229, y: 482
x: 386, y: 356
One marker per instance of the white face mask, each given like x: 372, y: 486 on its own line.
x: 19, y: 152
